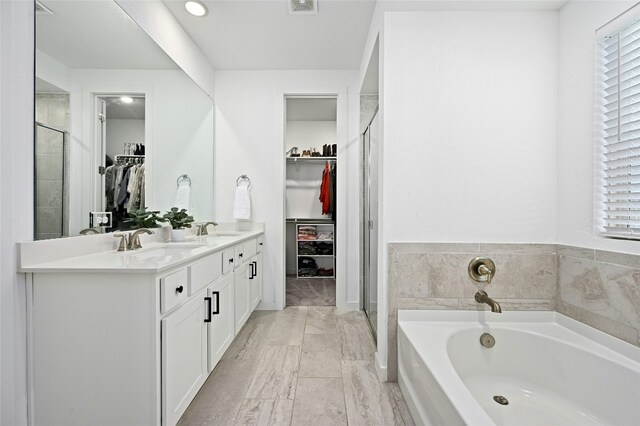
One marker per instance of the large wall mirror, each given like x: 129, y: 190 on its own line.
x: 117, y: 121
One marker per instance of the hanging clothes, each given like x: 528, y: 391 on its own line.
x: 325, y: 188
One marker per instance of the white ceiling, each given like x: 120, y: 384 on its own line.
x: 98, y: 35
x: 262, y: 35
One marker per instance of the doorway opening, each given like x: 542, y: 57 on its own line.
x: 311, y: 145
x: 119, y: 131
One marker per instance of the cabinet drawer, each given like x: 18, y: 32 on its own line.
x: 250, y: 248
x: 259, y: 244
x: 173, y: 290
x: 228, y: 256
x: 204, y: 272
x: 240, y: 256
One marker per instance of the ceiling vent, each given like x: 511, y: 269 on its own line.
x: 42, y: 9
x: 303, y: 7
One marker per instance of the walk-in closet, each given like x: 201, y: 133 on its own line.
x: 311, y: 176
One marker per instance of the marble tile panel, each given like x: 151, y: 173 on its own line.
x: 49, y: 193
x: 48, y: 220
x: 511, y: 305
x: 49, y: 166
x: 48, y: 141
x: 435, y: 247
x: 582, y: 253
x: 621, y: 331
x: 320, y: 356
x: 520, y: 276
x: 368, y: 401
x: 356, y: 341
x: 265, y: 412
x: 447, y: 275
x: 608, y: 290
x: 288, y: 328
x: 220, y: 398
x: 622, y: 259
x: 411, y: 276
x: 321, y: 320
x: 42, y: 110
x: 488, y: 249
x: 276, y: 374
x: 319, y: 401
x: 427, y: 303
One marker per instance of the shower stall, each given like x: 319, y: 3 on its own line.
x: 50, y: 215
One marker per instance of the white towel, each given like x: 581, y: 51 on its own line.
x: 242, y: 203
x: 183, y: 197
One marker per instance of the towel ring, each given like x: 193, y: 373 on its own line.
x: 243, y: 178
x: 183, y: 177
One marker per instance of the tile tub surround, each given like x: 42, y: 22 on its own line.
x: 598, y: 288
x: 434, y: 276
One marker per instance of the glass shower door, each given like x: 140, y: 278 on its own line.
x: 49, y: 215
x: 370, y: 224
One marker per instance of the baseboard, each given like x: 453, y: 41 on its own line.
x: 381, y: 370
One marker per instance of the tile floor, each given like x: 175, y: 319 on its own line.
x: 311, y: 291
x: 300, y: 366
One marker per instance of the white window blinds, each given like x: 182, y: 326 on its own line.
x: 618, y: 131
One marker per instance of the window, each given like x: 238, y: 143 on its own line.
x: 618, y: 130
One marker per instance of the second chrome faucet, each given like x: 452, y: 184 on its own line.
x: 131, y: 241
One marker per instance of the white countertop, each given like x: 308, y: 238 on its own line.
x: 153, y: 257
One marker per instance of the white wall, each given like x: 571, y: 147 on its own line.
x: 310, y: 134
x: 578, y: 22
x: 178, y: 138
x: 121, y: 130
x: 249, y: 128
x: 16, y: 199
x: 469, y: 135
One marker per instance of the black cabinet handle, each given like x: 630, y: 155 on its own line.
x: 179, y: 289
x: 231, y: 260
x: 252, y: 273
x: 255, y: 270
x: 217, y: 294
x: 207, y: 301
x: 240, y: 255
x: 260, y: 244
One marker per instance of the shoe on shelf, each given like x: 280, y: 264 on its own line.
x: 306, y: 153
x: 334, y: 150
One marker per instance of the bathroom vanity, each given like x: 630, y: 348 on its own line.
x: 130, y: 337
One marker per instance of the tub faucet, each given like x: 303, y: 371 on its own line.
x: 202, y: 228
x: 134, y: 238
x: 483, y: 297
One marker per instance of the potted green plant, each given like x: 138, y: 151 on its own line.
x: 143, y: 218
x: 179, y: 220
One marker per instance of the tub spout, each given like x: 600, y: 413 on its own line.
x: 483, y: 297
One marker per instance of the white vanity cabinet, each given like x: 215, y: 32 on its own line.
x: 184, y: 355
x: 133, y: 347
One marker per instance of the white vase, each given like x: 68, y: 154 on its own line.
x: 178, y: 235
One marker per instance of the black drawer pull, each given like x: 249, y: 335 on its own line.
x: 217, y: 294
x: 179, y: 289
x: 240, y: 255
x: 231, y: 260
x: 252, y: 273
x: 207, y: 301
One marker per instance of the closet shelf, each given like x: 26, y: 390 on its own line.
x: 315, y: 255
x: 315, y: 241
x: 309, y: 159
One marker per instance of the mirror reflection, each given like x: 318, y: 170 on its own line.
x: 117, y: 121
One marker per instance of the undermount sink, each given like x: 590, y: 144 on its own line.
x: 225, y: 234
x: 161, y: 252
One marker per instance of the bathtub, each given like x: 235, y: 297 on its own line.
x: 551, y: 369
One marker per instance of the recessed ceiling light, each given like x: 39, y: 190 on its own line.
x: 126, y: 99
x: 196, y: 8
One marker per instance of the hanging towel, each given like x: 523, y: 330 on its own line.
x: 183, y: 196
x: 242, y: 203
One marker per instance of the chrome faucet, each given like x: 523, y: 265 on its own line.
x: 88, y: 231
x: 202, y: 228
x: 483, y: 297
x: 124, y: 241
x: 134, y: 239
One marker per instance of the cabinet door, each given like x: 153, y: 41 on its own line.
x: 242, y: 302
x: 222, y: 325
x: 184, y: 356
x: 255, y: 281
